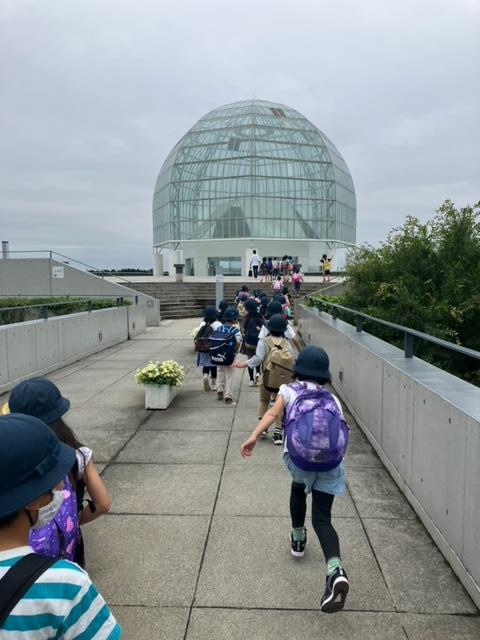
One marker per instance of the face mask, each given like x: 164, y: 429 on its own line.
x: 48, y: 513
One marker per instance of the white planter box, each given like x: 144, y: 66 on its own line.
x: 159, y: 396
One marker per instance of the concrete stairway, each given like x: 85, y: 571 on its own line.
x: 187, y: 299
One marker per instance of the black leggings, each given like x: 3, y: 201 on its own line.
x: 321, y: 517
x: 212, y: 371
x: 253, y: 372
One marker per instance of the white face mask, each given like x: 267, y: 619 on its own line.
x: 49, y: 511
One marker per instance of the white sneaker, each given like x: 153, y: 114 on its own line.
x: 213, y: 385
x: 206, y: 383
x: 251, y: 383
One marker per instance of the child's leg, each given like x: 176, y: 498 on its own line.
x: 229, y: 376
x: 298, y: 505
x: 322, y: 524
x: 220, y: 381
x: 206, y: 381
x: 213, y: 373
x: 250, y: 374
x: 263, y: 401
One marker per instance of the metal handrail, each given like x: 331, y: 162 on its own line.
x: 409, y: 334
x: 116, y: 301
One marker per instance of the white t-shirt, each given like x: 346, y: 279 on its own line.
x: 215, y: 325
x: 289, y: 332
x: 255, y: 260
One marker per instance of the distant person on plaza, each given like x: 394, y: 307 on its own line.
x: 62, y: 537
x: 263, y: 270
x: 58, y: 598
x: 326, y: 265
x: 314, y: 430
x: 255, y: 262
x: 269, y: 268
x: 274, y: 268
x: 209, y: 324
x: 297, y: 279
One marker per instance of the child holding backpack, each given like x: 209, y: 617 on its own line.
x: 297, y: 279
x: 316, y: 442
x: 202, y: 346
x: 275, y: 355
x: 62, y: 537
x: 224, y: 344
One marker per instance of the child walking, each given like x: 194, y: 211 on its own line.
x: 315, y: 429
x: 251, y: 325
x: 62, y: 537
x: 207, y: 327
x: 225, y: 373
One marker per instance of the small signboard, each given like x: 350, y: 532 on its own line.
x: 58, y: 272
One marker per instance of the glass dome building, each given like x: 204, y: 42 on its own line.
x: 252, y: 175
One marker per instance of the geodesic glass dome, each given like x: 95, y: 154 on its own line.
x: 254, y: 169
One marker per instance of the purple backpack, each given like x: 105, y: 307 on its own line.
x: 317, y: 434
x: 60, y: 537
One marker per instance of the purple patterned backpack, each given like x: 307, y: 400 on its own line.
x: 60, y: 537
x: 317, y: 434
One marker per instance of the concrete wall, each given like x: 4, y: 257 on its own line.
x: 35, y: 348
x: 27, y: 277
x: 424, y: 424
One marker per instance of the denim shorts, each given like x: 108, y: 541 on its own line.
x: 332, y: 481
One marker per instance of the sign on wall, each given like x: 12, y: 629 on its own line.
x: 57, y: 272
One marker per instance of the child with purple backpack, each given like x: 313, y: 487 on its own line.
x: 316, y: 438
x: 62, y: 537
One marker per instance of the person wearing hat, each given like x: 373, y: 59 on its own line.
x: 62, y: 536
x: 312, y: 369
x: 63, y: 603
x: 210, y: 324
x: 226, y: 374
x: 273, y: 308
x: 275, y: 336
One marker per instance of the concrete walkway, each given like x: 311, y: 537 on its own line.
x: 197, y: 543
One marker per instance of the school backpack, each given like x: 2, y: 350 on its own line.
x: 223, y: 345
x: 278, y: 365
x: 277, y: 285
x: 316, y: 433
x: 296, y: 277
x: 202, y: 339
x: 60, y: 537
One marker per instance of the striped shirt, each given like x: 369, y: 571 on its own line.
x: 63, y: 604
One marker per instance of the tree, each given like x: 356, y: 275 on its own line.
x: 425, y: 276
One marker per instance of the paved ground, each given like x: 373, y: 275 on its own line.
x: 197, y: 543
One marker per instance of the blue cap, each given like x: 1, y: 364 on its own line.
x: 40, y: 398
x: 314, y: 362
x: 32, y: 461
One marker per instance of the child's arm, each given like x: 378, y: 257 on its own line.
x: 268, y: 419
x: 97, y: 492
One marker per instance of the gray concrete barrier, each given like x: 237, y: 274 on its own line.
x: 424, y: 424
x: 38, y: 347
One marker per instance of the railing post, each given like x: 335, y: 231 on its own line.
x: 408, y: 345
x: 136, y: 299
x: 45, y: 312
x: 118, y: 302
x: 359, y: 323
x: 334, y: 313
x: 89, y: 306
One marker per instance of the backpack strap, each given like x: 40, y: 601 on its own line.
x: 18, y: 580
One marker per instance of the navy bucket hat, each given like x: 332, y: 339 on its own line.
x: 210, y: 313
x: 230, y: 314
x: 40, y: 398
x: 277, y: 323
x: 32, y: 461
x: 251, y: 305
x: 312, y: 362
x: 273, y: 308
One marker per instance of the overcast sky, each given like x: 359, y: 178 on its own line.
x: 94, y: 93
